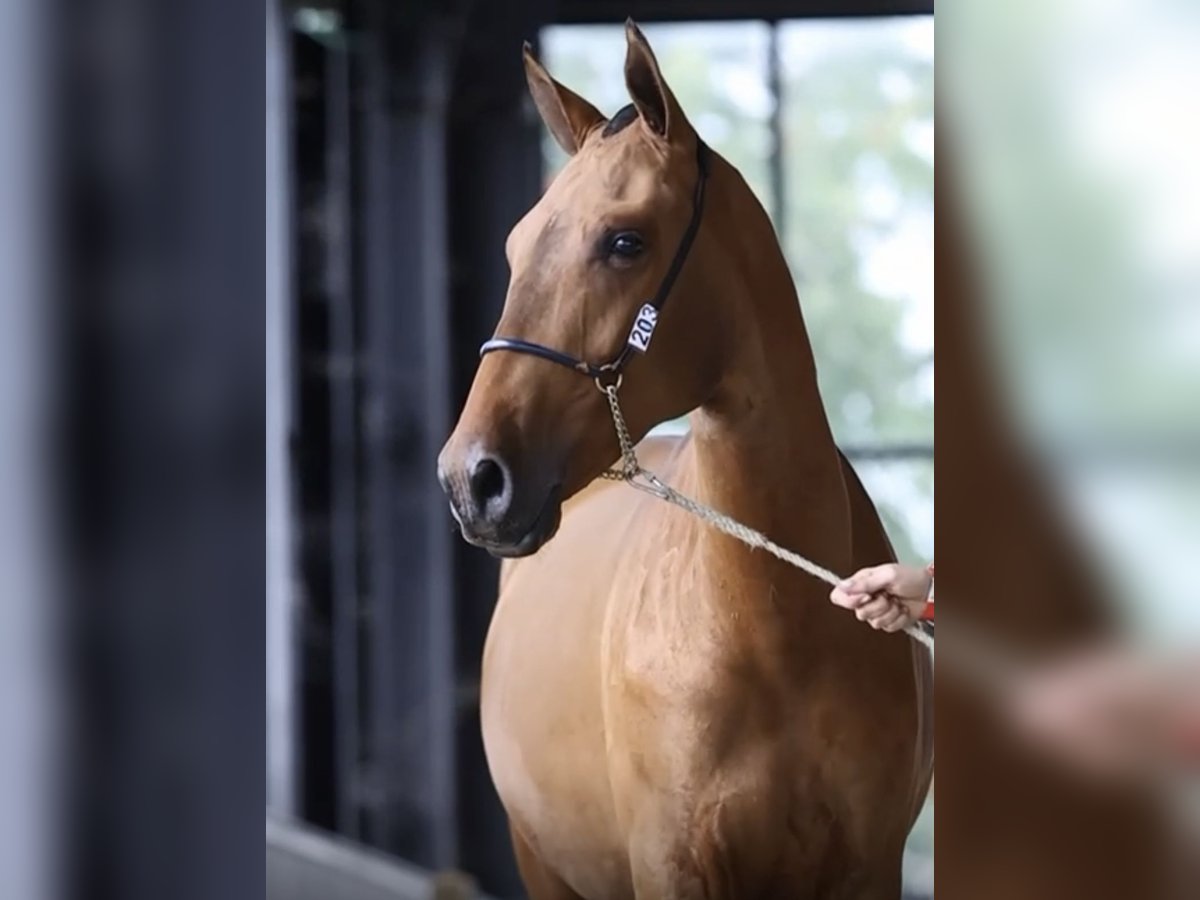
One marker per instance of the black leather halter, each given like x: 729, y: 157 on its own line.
x: 647, y: 316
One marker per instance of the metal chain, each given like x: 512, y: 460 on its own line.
x: 632, y: 472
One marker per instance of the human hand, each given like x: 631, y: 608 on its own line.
x: 889, y: 597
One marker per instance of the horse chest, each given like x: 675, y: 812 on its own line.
x: 636, y: 692
x: 673, y: 636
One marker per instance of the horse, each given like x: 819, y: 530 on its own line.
x: 666, y: 712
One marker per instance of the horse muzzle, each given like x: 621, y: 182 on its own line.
x: 494, y: 510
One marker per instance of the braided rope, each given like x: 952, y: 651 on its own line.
x: 631, y: 472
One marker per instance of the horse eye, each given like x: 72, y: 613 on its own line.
x: 626, y: 245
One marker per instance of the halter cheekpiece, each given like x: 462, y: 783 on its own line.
x: 647, y: 317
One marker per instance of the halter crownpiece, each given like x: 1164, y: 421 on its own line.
x: 647, y: 317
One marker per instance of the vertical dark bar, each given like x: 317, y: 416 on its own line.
x: 162, y: 448
x: 317, y: 775
x: 409, y: 784
x: 342, y: 369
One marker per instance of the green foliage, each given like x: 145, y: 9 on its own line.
x: 845, y: 142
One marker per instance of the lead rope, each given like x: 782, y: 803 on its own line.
x: 632, y: 473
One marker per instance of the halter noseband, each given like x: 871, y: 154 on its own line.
x: 647, y: 316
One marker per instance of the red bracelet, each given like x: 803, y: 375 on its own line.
x: 927, y: 612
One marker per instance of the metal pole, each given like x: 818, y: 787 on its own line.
x: 281, y: 575
x: 27, y: 697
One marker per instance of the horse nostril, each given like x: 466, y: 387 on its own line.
x: 489, y: 486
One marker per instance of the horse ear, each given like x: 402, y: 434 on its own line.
x: 648, y: 89
x: 568, y: 116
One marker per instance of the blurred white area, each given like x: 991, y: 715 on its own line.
x: 899, y: 261
x: 27, y: 710
x: 1079, y: 136
x: 718, y: 72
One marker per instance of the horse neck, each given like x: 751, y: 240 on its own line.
x: 763, y: 449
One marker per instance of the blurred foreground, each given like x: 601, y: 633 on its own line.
x: 1068, y: 275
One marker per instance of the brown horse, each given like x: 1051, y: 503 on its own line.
x: 667, y: 713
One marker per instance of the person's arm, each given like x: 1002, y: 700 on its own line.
x: 889, y: 597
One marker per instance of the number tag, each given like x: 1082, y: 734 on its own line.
x: 643, y: 328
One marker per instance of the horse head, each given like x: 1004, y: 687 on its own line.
x: 607, y: 237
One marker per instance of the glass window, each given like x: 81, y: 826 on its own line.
x: 857, y: 121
